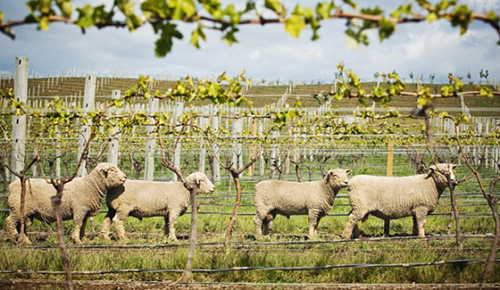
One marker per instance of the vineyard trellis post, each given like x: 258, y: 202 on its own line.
x: 215, y: 127
x: 19, y: 122
x: 114, y: 143
x: 203, y: 124
x: 260, y: 129
x: 178, y: 111
x: 390, y: 157
x: 153, y: 106
x: 88, y: 106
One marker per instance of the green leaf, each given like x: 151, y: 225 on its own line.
x: 432, y: 17
x: 196, y: 35
x: 65, y: 6
x: 165, y: 42
x: 276, y: 6
x: 486, y: 92
x: 43, y: 24
x: 386, y: 29
x: 183, y: 8
x: 294, y: 25
x: 229, y: 37
x: 85, y: 18
x: 323, y: 9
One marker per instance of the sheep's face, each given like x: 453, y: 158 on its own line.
x: 337, y: 178
x: 442, y: 171
x: 112, y: 175
x: 201, y: 182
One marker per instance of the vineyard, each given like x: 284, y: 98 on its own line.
x: 239, y: 136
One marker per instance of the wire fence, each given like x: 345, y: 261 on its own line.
x: 304, y: 268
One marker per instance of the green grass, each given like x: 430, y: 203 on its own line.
x: 211, y: 228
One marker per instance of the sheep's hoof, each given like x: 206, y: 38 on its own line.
x: 23, y: 240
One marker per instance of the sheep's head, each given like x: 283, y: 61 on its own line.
x: 337, y: 178
x: 201, y: 183
x: 442, y: 172
x: 112, y: 175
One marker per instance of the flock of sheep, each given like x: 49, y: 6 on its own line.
x: 384, y: 197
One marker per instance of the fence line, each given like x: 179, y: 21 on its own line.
x: 304, y: 268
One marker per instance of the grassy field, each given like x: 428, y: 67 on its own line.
x: 148, y: 249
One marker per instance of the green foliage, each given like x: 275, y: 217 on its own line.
x: 162, y: 15
x: 168, y: 32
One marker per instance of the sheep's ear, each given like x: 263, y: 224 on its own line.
x: 197, y: 181
x: 347, y: 171
x: 432, y: 169
x: 453, y: 166
x: 104, y: 171
x: 329, y: 175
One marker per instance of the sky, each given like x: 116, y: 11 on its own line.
x: 264, y: 52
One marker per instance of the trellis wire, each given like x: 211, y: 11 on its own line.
x: 314, y: 242
x: 304, y: 268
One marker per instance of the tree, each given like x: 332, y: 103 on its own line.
x: 164, y: 16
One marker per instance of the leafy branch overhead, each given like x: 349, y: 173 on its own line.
x: 165, y: 15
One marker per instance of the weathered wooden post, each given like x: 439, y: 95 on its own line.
x: 252, y: 149
x: 88, y: 106
x: 114, y: 144
x: 149, y: 167
x: 215, y: 128
x: 237, y: 146
x: 262, y: 169
x: 178, y: 111
x: 390, y: 157
x: 19, y: 122
x: 203, y: 125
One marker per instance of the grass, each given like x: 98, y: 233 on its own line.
x: 211, y: 228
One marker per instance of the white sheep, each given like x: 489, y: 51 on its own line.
x: 149, y: 199
x: 81, y: 199
x: 287, y: 198
x: 397, y: 197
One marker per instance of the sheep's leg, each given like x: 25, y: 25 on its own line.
x: 118, y: 221
x: 172, y: 221
x: 387, y: 223
x: 106, y: 224
x: 82, y: 229
x: 351, y: 226
x: 415, y: 226
x: 78, y: 222
x: 166, y: 227
x: 268, y: 227
x: 317, y: 225
x: 312, y: 219
x: 11, y: 227
x: 420, y: 214
x: 258, y: 225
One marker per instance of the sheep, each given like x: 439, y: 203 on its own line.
x: 81, y: 199
x: 287, y: 198
x: 397, y: 197
x: 149, y: 199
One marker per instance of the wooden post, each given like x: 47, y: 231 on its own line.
x: 215, y: 127
x: 203, y: 150
x: 19, y: 122
x: 88, y: 105
x: 178, y: 111
x: 390, y: 157
x: 262, y: 165
x: 149, y: 167
x: 252, y: 149
x: 237, y: 147
x: 114, y: 144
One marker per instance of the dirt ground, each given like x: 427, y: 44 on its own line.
x: 108, y: 285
